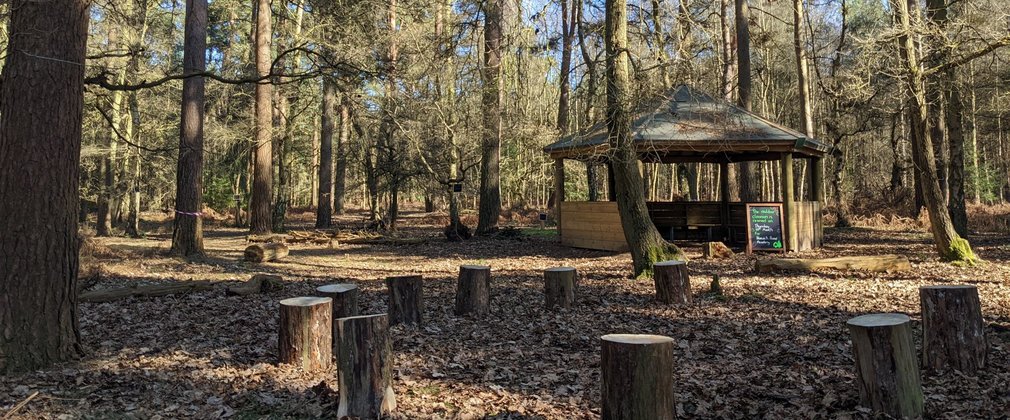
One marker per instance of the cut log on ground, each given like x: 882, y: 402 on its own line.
x: 887, y: 371
x: 716, y: 250
x: 267, y: 238
x: 406, y: 299
x: 345, y: 298
x: 673, y: 285
x: 259, y: 283
x: 473, y: 290
x: 272, y: 251
x: 560, y: 284
x: 953, y: 334
x: 305, y: 337
x: 144, y: 291
x: 637, y: 377
x: 870, y: 263
x: 365, y: 367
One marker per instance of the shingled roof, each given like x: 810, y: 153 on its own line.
x: 691, y: 125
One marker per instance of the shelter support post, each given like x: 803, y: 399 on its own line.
x: 724, y: 199
x: 788, y: 202
x: 817, y: 192
x: 611, y: 183
x: 559, y: 188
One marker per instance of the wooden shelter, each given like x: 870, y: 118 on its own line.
x: 684, y: 126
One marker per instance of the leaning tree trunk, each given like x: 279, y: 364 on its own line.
x: 365, y: 366
x: 953, y: 333
x: 324, y: 212
x: 646, y: 244
x: 490, y: 171
x: 637, y: 377
x: 187, y: 237
x: 949, y: 244
x: 41, y: 102
x: 260, y: 217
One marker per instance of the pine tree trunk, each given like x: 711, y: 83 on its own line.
x: 748, y: 183
x: 324, y: 211
x: 953, y: 333
x: 40, y: 142
x: 187, y: 236
x: 887, y: 371
x: 637, y: 377
x: 490, y: 176
x: 560, y: 286
x: 260, y: 216
x: 365, y: 367
x: 305, y: 338
x: 406, y: 300
x: 340, y: 171
x: 646, y: 244
x: 473, y: 290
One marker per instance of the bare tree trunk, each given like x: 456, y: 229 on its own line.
x: 324, y: 212
x: 592, y: 168
x: 490, y: 182
x: 748, y: 185
x: 187, y: 237
x: 949, y: 244
x: 340, y: 168
x: 40, y: 144
x: 802, y: 73
x: 567, y: 32
x: 646, y: 244
x: 953, y: 120
x: 260, y: 217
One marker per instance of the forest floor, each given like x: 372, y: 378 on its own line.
x: 772, y: 346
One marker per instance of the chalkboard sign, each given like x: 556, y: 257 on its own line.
x: 764, y: 227
x: 457, y: 187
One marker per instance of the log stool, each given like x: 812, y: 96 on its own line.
x: 406, y: 299
x: 637, y: 377
x: 952, y: 329
x: 345, y: 298
x: 887, y: 371
x: 365, y: 367
x: 473, y: 290
x: 559, y: 287
x: 305, y: 337
x: 673, y: 285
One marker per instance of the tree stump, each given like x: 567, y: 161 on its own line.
x: 305, y: 338
x: 673, y: 285
x: 365, y: 367
x: 271, y: 251
x: 559, y: 287
x: 473, y: 290
x: 406, y: 299
x: 716, y: 250
x: 887, y: 371
x: 345, y: 299
x: 637, y: 377
x: 952, y: 329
